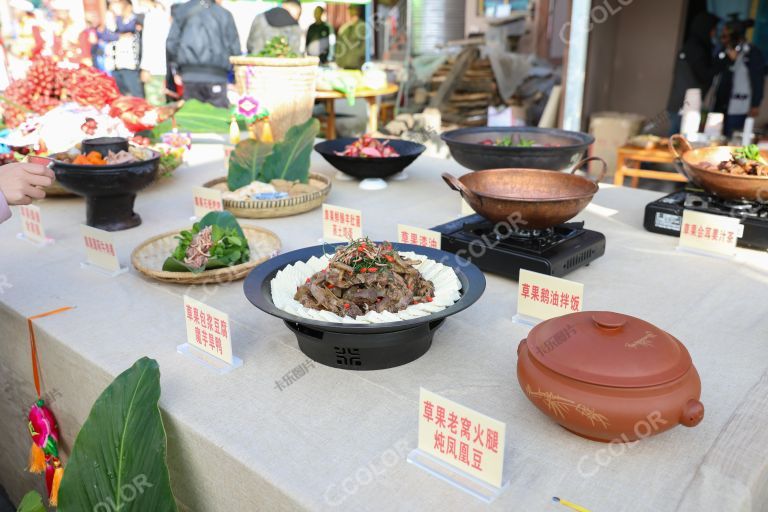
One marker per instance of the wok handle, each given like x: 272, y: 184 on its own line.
x: 685, y: 146
x: 459, y: 187
x: 581, y: 164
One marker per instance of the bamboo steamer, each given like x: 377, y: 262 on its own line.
x: 283, y: 86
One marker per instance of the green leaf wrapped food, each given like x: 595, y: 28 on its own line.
x: 217, y: 241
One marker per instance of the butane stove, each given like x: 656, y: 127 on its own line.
x: 665, y: 215
x: 554, y: 251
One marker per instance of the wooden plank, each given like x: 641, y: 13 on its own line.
x: 446, y: 88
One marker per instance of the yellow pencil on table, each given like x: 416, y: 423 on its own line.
x: 570, y: 505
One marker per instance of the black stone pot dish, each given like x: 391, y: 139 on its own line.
x: 363, y: 168
x: 363, y: 346
x: 553, y: 149
x: 109, y: 190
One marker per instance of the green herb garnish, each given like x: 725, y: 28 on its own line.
x: 277, y: 47
x: 751, y: 152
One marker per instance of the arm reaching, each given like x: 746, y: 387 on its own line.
x: 20, y: 183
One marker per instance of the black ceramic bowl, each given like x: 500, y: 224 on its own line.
x: 559, y: 149
x: 109, y: 190
x: 105, y: 144
x: 363, y: 346
x: 362, y: 168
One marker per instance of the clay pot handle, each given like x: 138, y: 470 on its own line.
x: 459, y: 187
x: 585, y: 161
x: 685, y: 146
x: 693, y: 413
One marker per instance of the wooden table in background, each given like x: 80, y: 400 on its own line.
x: 371, y: 96
x: 629, y: 160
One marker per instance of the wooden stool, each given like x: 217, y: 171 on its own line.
x: 630, y: 158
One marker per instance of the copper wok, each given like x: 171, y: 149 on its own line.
x: 723, y: 184
x: 536, y: 198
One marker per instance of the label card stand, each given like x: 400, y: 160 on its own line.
x: 455, y: 477
x: 526, y: 320
x: 214, y: 364
x: 101, y: 270
x: 48, y: 241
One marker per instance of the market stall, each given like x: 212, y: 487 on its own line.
x: 285, y: 433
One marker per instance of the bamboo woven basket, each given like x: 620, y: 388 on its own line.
x: 272, y: 208
x: 283, y: 86
x: 148, y: 258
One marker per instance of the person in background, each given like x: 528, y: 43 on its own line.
x: 157, y: 24
x: 695, y: 65
x: 203, y: 37
x: 278, y: 21
x: 125, y: 47
x: 21, y: 183
x: 319, y: 37
x: 740, y: 83
x: 350, y: 44
x: 88, y: 40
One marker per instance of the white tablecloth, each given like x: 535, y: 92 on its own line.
x: 337, y: 440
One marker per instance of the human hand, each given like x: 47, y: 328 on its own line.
x: 732, y: 53
x: 145, y: 76
x: 753, y: 112
x: 177, y: 79
x: 22, y: 182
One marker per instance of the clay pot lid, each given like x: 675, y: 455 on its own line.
x: 608, y: 349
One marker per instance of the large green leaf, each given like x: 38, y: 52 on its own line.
x: 198, y: 117
x: 290, y: 158
x: 118, y: 459
x: 224, y: 220
x: 246, y: 162
x: 31, y: 502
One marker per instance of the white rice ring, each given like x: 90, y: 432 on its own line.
x: 287, y: 280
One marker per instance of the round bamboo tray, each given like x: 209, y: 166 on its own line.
x: 270, y: 208
x: 148, y: 258
x: 283, y: 86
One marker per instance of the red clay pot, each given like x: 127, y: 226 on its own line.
x: 609, y: 377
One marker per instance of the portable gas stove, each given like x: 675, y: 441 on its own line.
x: 665, y: 215
x: 554, y: 251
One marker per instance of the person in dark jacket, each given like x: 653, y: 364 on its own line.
x: 203, y: 37
x: 740, y: 82
x: 695, y: 66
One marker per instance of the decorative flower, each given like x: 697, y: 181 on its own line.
x: 248, y: 106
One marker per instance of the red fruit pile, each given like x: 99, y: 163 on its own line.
x: 47, y: 85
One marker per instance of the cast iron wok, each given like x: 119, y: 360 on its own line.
x: 258, y: 289
x: 540, y: 198
x: 723, y: 184
x: 566, y: 148
x: 362, y: 168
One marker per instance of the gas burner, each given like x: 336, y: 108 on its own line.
x: 665, y: 215
x: 553, y: 251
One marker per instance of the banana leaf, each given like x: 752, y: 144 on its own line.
x: 290, y: 158
x: 198, y: 117
x: 220, y: 222
x: 31, y: 502
x: 118, y: 459
x: 246, y: 162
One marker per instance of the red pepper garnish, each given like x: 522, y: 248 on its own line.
x: 363, y: 270
x: 307, y: 280
x: 373, y: 269
x: 330, y: 286
x: 346, y: 306
x: 429, y: 299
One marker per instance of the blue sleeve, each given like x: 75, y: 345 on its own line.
x: 107, y: 35
x: 124, y: 27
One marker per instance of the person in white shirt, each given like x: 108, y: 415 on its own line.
x: 157, y: 24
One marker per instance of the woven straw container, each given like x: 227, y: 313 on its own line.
x: 148, y: 258
x: 283, y: 86
x: 302, y: 198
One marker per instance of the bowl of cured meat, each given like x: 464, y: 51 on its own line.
x: 364, y: 305
x: 369, y: 157
x: 522, y: 147
x: 731, y: 172
x: 109, y: 174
